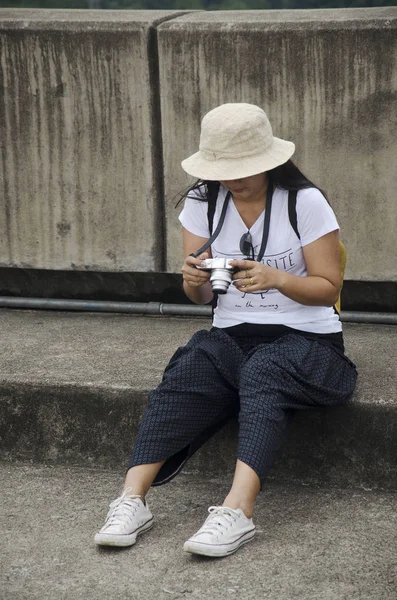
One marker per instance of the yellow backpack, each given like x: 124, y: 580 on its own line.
x: 342, y: 266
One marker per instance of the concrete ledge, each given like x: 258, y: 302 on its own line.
x: 37, y: 19
x: 74, y: 387
x: 305, y: 19
x: 353, y: 446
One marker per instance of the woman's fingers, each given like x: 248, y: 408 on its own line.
x: 252, y: 276
x: 246, y: 272
x: 245, y: 278
x: 242, y: 265
x: 191, y: 274
x: 246, y: 283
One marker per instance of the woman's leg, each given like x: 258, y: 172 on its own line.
x: 276, y: 379
x: 198, y: 390
x: 129, y: 515
x: 229, y: 526
x: 139, y: 479
x: 245, y: 488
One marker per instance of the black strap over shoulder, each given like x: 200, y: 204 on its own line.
x: 211, y: 211
x: 213, y: 191
x: 217, y: 230
x: 266, y: 222
x: 292, y: 194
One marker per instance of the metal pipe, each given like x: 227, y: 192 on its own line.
x: 145, y: 308
x: 159, y: 308
x: 377, y: 318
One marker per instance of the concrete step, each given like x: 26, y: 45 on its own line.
x: 73, y: 388
x: 311, y: 544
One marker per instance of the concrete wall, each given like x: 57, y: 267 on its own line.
x: 328, y: 81
x: 81, y: 135
x: 79, y: 180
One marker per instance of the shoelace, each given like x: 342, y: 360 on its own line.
x: 220, y: 519
x: 121, y: 509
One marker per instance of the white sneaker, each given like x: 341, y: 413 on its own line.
x: 127, y: 518
x: 223, y: 532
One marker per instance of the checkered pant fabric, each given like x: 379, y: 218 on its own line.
x: 216, y: 376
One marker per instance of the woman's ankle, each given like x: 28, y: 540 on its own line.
x: 131, y: 491
x: 140, y: 478
x: 245, y: 505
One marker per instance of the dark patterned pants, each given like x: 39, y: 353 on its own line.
x: 214, y: 377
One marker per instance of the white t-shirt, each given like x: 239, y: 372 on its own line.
x: 315, y: 218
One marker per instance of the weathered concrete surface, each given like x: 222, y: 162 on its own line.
x: 327, y: 79
x: 73, y: 388
x: 80, y: 140
x: 310, y: 545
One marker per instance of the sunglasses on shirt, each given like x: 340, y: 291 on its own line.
x: 246, y: 246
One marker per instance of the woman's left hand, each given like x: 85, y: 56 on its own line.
x: 253, y: 276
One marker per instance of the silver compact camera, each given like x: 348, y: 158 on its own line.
x: 221, y: 273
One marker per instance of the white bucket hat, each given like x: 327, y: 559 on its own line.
x: 236, y: 141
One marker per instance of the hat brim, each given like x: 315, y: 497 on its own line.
x: 224, y: 169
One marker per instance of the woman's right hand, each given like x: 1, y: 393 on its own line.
x: 192, y: 276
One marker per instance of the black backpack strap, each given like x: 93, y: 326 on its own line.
x: 213, y: 191
x: 217, y: 230
x: 266, y: 222
x: 292, y: 194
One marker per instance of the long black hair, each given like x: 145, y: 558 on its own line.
x: 286, y: 176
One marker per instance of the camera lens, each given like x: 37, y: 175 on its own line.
x: 220, y: 280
